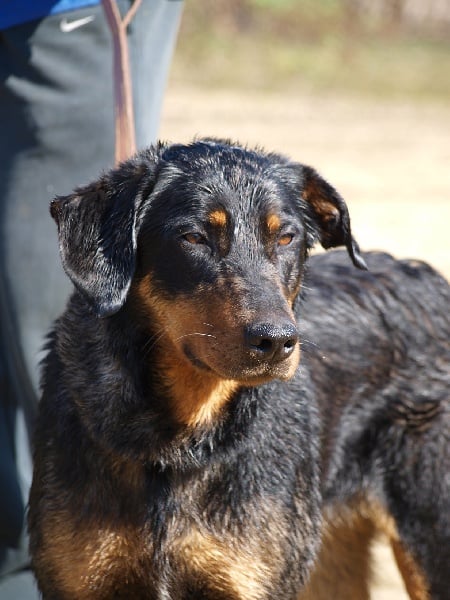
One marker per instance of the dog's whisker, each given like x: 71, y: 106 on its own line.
x: 152, y: 341
x: 155, y: 337
x: 195, y: 333
x: 305, y: 341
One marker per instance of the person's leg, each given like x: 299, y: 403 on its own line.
x: 57, y: 124
x: 19, y: 586
x: 56, y: 117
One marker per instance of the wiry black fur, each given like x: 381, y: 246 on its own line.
x: 365, y: 417
x: 386, y: 426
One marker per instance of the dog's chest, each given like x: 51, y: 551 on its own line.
x: 221, y: 566
x: 194, y: 553
x: 195, y: 563
x: 211, y: 550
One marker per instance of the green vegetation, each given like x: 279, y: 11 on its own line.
x: 313, y: 45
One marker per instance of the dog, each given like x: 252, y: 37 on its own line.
x: 223, y: 417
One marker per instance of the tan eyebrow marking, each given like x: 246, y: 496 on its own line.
x: 273, y: 223
x: 218, y: 218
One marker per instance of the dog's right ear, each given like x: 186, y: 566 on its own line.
x: 98, y: 226
x: 330, y: 213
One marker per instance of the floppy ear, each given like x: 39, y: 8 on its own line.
x: 97, y: 227
x: 330, y: 213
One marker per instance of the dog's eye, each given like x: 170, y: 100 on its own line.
x: 194, y: 238
x: 285, y: 239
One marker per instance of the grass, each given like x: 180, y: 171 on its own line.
x: 307, y: 45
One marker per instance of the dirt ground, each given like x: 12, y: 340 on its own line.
x: 389, y: 159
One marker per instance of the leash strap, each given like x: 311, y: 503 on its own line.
x: 125, y: 133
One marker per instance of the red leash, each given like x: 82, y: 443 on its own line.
x: 125, y: 144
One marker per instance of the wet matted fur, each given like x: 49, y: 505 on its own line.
x: 219, y: 421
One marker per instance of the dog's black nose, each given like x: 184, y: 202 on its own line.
x: 271, y: 341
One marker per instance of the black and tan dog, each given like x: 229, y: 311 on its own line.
x: 181, y: 451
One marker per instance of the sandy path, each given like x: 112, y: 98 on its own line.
x: 390, y: 160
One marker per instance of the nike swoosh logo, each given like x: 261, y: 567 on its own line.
x: 68, y: 26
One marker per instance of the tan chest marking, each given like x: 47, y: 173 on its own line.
x: 238, y: 572
x: 87, y: 562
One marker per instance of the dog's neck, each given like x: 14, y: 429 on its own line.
x: 196, y: 397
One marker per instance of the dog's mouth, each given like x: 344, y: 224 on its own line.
x: 196, y: 362
x: 250, y: 364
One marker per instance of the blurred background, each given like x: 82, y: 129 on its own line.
x: 359, y: 89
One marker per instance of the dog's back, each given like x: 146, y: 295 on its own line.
x: 377, y: 347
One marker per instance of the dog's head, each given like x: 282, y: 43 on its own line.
x: 209, y: 241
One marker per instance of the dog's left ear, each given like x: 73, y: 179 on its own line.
x: 98, y: 226
x: 330, y: 214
